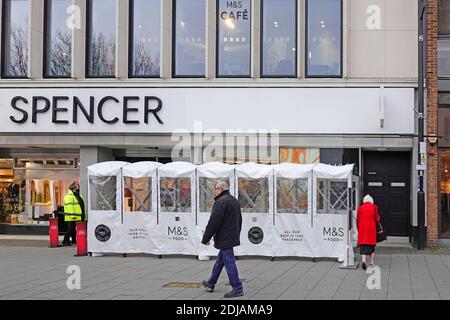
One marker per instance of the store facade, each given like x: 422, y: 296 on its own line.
x: 229, y: 81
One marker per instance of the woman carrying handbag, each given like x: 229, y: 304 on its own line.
x: 367, y: 222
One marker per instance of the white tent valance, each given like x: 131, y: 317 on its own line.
x: 293, y: 171
x: 140, y: 169
x: 324, y: 171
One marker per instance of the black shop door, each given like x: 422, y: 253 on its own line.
x: 387, y: 178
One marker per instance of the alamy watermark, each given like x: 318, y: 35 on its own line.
x: 73, y: 282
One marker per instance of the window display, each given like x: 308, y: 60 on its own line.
x: 175, y: 194
x: 254, y: 195
x: 292, y: 196
x: 32, y: 189
x: 138, y: 194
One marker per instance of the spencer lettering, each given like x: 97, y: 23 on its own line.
x: 59, y: 106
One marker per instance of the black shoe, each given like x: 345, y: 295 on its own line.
x: 65, y: 244
x: 363, y: 265
x: 233, y: 294
x: 208, y: 288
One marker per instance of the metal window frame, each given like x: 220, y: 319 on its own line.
x: 218, y: 75
x: 88, y: 44
x: 131, y: 74
x: 3, y: 74
x: 46, y: 38
x: 174, y: 44
x: 307, y: 75
x: 261, y: 36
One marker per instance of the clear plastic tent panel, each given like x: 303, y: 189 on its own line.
x: 138, y: 194
x: 332, y: 196
x: 103, y: 193
x: 175, y: 194
x: 254, y: 195
x: 292, y: 195
x: 206, y: 188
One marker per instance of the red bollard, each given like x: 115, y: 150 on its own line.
x: 81, y: 239
x: 53, y: 231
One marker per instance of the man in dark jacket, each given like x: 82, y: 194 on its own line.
x: 225, y: 226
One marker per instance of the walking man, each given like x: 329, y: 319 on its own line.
x: 225, y: 226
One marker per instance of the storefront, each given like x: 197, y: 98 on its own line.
x: 263, y: 125
x: 32, y: 188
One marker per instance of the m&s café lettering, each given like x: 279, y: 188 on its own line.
x: 66, y: 110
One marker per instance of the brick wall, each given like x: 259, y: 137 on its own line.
x: 432, y: 123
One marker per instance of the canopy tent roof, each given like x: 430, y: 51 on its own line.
x: 215, y: 170
x: 108, y: 168
x: 325, y: 171
x: 254, y: 170
x: 293, y: 171
x: 176, y: 169
x: 141, y: 169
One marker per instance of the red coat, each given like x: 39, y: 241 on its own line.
x: 366, y: 221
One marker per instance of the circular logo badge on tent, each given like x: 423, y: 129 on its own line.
x: 255, y: 235
x: 102, y: 233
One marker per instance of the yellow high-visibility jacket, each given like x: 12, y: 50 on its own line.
x: 72, y: 209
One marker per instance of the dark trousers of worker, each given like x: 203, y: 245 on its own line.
x: 226, y: 258
x: 70, y: 232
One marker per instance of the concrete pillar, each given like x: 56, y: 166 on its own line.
x: 256, y: 39
x: 36, y: 34
x: 79, y: 39
x: 89, y: 156
x: 210, y: 41
x: 166, y: 39
x: 122, y: 39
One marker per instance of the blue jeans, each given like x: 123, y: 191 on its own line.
x: 226, y: 258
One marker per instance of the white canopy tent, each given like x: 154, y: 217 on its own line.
x: 207, y: 176
x: 254, y: 189
x: 332, y: 212
x: 176, y: 209
x: 293, y: 203
x: 105, y: 207
x: 140, y: 207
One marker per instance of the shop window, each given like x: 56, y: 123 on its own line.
x: 279, y: 38
x: 58, y: 39
x: 332, y: 196
x: 138, y: 194
x: 324, y: 38
x: 15, y: 38
x: 254, y: 195
x: 145, y: 38
x: 444, y: 58
x: 445, y: 195
x: 101, y: 38
x: 206, y: 196
x: 292, y: 196
x: 103, y: 193
x: 233, y: 38
x: 189, y: 41
x: 175, y: 194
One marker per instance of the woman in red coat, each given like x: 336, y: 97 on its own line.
x: 367, y: 221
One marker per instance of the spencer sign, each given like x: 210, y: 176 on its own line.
x: 74, y: 109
